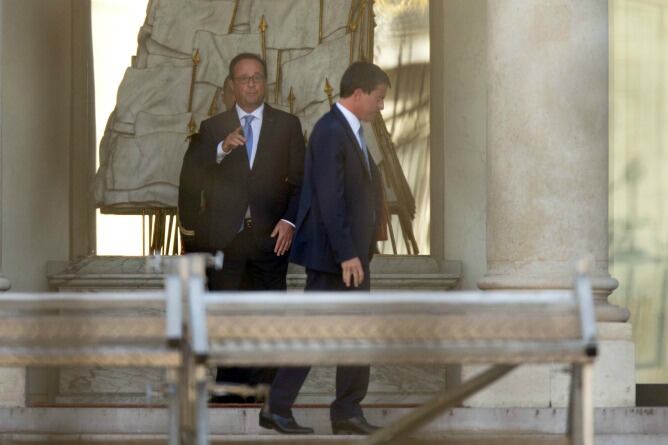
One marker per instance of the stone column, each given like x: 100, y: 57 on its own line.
x: 4, y: 282
x: 547, y: 171
x: 12, y: 380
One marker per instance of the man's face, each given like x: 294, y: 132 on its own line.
x: 249, y: 84
x: 370, y: 104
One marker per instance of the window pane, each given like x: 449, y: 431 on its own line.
x: 638, y: 182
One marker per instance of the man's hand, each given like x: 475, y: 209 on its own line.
x: 353, y: 272
x: 234, y: 140
x: 283, y: 233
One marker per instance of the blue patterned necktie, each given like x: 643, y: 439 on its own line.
x: 364, y: 148
x: 248, y: 134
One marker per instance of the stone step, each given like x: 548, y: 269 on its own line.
x: 101, y: 425
x: 484, y: 439
x: 280, y: 440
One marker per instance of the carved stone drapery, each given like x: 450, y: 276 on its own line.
x: 167, y: 91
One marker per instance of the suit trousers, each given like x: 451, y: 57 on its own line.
x: 352, y: 382
x: 250, y: 264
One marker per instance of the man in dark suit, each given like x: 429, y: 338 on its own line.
x: 240, y: 184
x: 191, y: 193
x: 337, y: 227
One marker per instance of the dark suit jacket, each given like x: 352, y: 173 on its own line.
x: 341, y: 201
x: 213, y: 197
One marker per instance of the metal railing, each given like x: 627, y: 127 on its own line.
x: 190, y: 329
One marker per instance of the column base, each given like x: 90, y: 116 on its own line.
x: 541, y: 386
x: 5, y: 285
x: 555, y: 275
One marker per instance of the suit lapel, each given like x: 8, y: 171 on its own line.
x: 229, y: 121
x: 349, y: 131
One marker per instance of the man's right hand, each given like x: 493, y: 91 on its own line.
x: 234, y: 140
x: 353, y: 272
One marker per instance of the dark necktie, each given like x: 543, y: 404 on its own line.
x: 364, y: 148
x: 248, y: 134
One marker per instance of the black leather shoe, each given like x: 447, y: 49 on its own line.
x: 284, y: 425
x: 355, y: 425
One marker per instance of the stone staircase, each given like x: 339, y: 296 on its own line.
x: 459, y: 426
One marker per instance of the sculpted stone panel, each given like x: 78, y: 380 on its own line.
x: 178, y: 72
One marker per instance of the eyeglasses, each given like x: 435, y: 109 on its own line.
x: 243, y: 80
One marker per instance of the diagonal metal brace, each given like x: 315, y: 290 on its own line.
x: 433, y: 408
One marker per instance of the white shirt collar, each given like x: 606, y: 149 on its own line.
x: 257, y: 113
x: 353, y: 121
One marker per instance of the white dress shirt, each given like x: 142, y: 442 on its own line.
x: 353, y: 121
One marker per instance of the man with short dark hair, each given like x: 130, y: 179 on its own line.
x: 337, y: 227
x: 248, y: 165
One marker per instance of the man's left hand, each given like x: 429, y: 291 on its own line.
x: 283, y: 233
